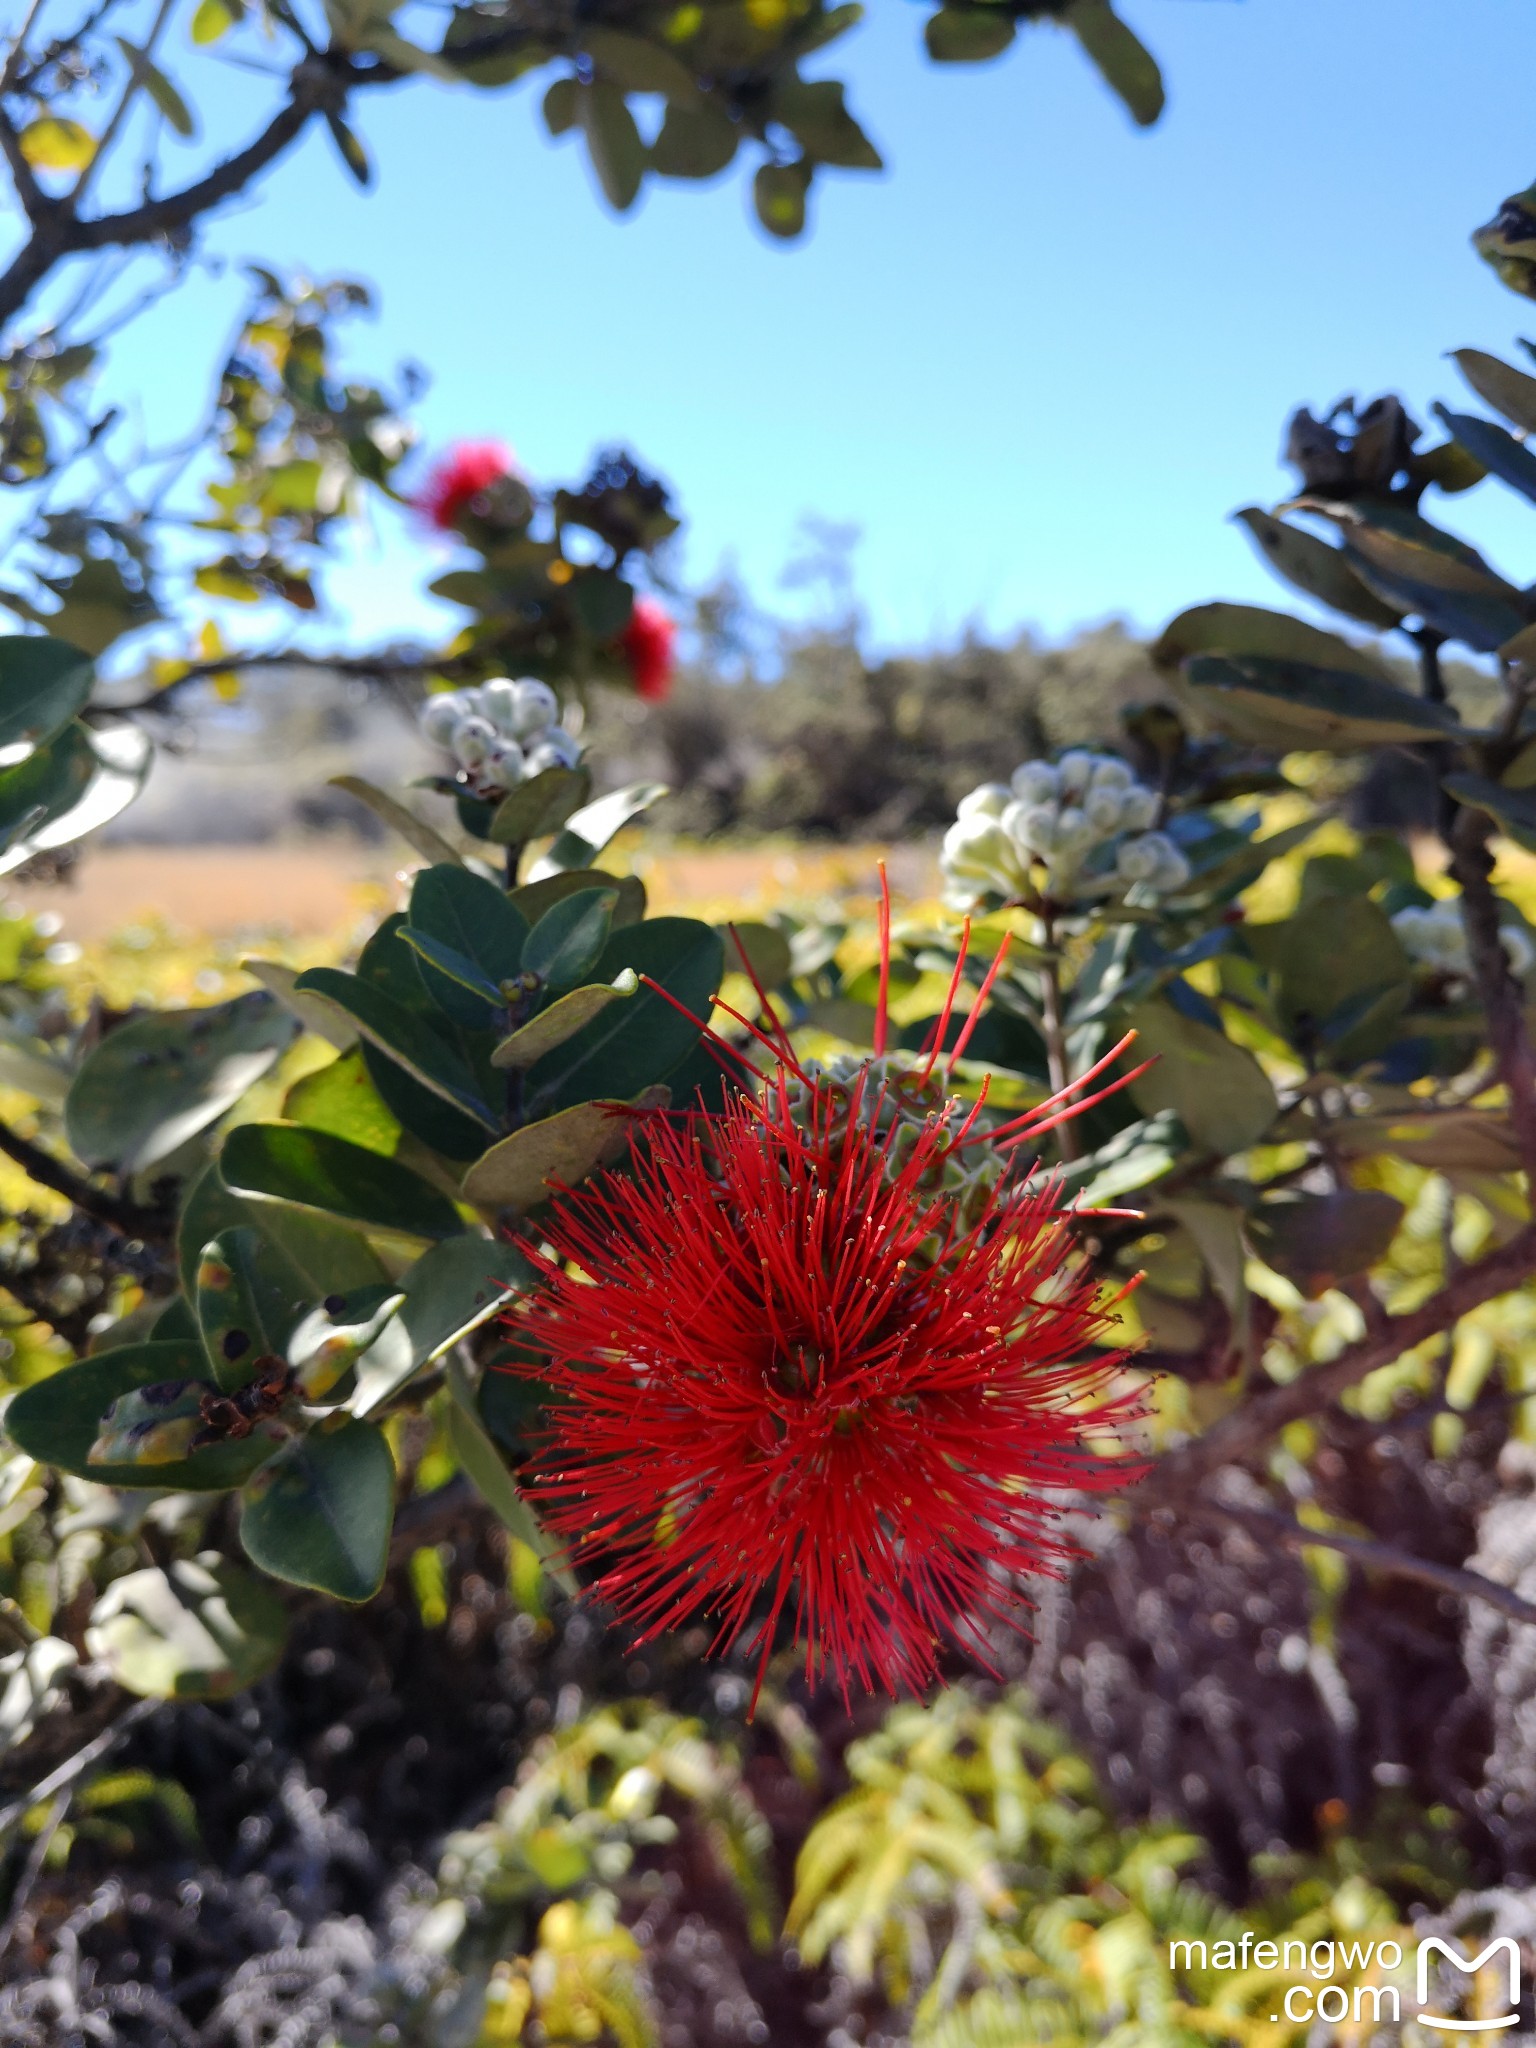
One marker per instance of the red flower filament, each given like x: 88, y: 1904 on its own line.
x: 467, y: 470
x: 646, y: 644
x: 800, y: 1382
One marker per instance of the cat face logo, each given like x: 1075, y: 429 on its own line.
x: 1469, y: 1966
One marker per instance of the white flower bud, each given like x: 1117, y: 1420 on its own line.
x: 535, y: 707
x: 1110, y: 772
x: 498, y: 702
x: 1104, y: 810
x: 503, y: 764
x: 1035, y: 783
x: 1075, y: 770
x: 990, y: 801
x: 1138, y: 808
x: 1138, y: 860
x: 1033, y: 827
x: 1074, y: 834
x: 439, y: 717
x: 473, y: 738
x: 554, y: 748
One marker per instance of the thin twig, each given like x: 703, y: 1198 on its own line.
x: 32, y: 1869
x: 1247, y: 1429
x: 52, y: 1173
x: 1379, y: 1557
x: 75, y: 1766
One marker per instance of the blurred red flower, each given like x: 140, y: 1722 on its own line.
x: 468, y: 468
x: 795, y: 1378
x: 646, y: 644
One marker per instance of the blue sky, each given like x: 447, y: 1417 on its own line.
x: 1037, y: 362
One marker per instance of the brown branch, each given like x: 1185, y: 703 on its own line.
x: 1247, y: 1429
x: 1472, y: 866
x: 317, y: 85
x: 52, y: 1173
x: 1380, y: 1557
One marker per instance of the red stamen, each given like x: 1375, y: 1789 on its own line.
x: 949, y: 1000
x: 976, y: 1008
x: 883, y: 1000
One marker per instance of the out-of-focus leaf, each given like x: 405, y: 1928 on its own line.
x: 695, y: 142
x: 429, y: 844
x: 198, y: 1628
x: 1219, y: 1092
x: 959, y: 34
x: 1316, y: 568
x: 157, y: 1080
x: 1242, y: 630
x: 589, y: 830
x: 1318, y: 1240
x: 1288, y: 704
x: 54, y: 144
x: 1123, y: 61
x: 1508, y: 390
x: 43, y: 683
x: 1495, y: 447
x: 779, y: 193
x: 613, y: 142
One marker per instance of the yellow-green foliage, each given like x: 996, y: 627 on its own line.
x: 975, y: 1874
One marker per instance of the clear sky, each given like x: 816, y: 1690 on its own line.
x: 1037, y: 362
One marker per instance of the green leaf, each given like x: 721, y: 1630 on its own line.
x: 1330, y: 959
x: 56, y: 1420
x: 350, y: 150
x: 1123, y: 61
x: 342, y: 1099
x: 319, y: 1017
x: 1289, y: 704
x: 320, y: 1514
x: 1495, y: 448
x: 630, y: 1045
x: 1509, y: 391
x: 638, y: 65
x: 779, y: 194
x: 155, y: 1081
x: 564, y: 1148
x: 533, y: 899
x: 245, y: 1304
x: 1513, y: 810
x: 613, y: 142
x: 1318, y: 1240
x: 561, y: 106
x: 318, y: 1255
x: 159, y: 88
x: 43, y: 683
x: 199, y: 1628
x: 601, y: 600
x: 472, y: 916
x: 429, y: 844
x: 467, y: 981
x: 1407, y: 561
x: 564, y: 945
x: 760, y: 951
x: 1316, y: 568
x: 324, y: 1347
x: 561, y: 1021
x: 968, y: 35
x: 316, y: 1170
x: 814, y: 113
x: 1242, y: 630
x: 404, y: 1038
x: 452, y: 1289
x: 694, y: 142
x: 1219, y: 1092
x: 589, y: 830
x: 483, y: 1462
x: 76, y: 783
x: 539, y: 805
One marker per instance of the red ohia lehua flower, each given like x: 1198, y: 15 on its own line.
x: 453, y: 484
x: 646, y: 645
x: 821, y: 1357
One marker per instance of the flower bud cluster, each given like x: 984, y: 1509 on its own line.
x: 895, y: 1099
x: 501, y: 733
x: 1063, y: 816
x: 1434, y: 937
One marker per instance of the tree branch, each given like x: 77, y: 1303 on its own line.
x: 1380, y: 1557
x: 52, y: 1173
x: 317, y: 85
x: 1472, y: 866
x: 1248, y: 1428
